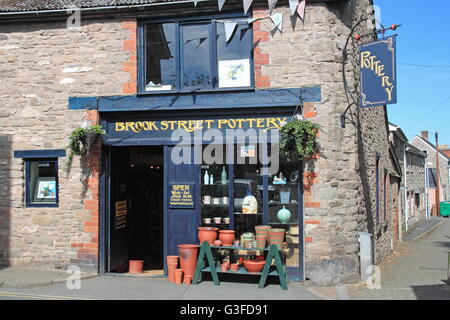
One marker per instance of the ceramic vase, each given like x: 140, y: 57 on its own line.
x: 207, y: 234
x: 284, y: 215
x: 135, y: 266
x: 227, y: 237
x: 188, y: 258
x: 276, y: 236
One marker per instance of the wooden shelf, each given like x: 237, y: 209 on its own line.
x: 240, y: 271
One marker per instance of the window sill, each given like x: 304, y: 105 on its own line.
x: 187, y: 92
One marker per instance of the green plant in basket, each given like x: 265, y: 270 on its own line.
x: 81, y: 140
x: 298, y: 139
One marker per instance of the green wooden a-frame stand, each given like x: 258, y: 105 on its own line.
x: 274, y: 253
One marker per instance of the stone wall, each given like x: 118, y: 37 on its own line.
x: 100, y: 59
x: 42, y: 65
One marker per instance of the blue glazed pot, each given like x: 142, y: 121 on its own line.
x: 284, y: 215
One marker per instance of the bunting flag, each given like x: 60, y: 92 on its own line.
x: 301, y: 9
x: 247, y: 4
x: 251, y: 20
x: 277, y: 20
x: 220, y: 3
x: 229, y: 29
x: 272, y: 4
x: 293, y: 4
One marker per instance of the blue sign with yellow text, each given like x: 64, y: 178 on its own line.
x: 378, y: 72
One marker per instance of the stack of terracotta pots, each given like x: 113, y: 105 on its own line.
x: 207, y: 234
x: 227, y: 237
x: 172, y: 265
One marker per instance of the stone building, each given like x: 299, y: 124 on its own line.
x: 413, y: 194
x: 58, y: 75
x: 423, y: 143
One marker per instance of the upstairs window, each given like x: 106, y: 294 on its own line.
x: 187, y: 55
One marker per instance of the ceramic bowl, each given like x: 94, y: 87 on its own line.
x: 254, y: 266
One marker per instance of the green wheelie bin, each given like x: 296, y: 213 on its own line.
x: 445, y: 208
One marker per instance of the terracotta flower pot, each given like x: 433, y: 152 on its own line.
x: 187, y: 280
x: 217, y: 243
x: 178, y: 276
x: 261, y: 240
x: 227, y: 237
x: 254, y: 266
x: 234, y: 267
x: 188, y: 258
x: 172, y: 264
x: 207, y: 234
x: 135, y: 266
x: 262, y: 230
x: 276, y: 236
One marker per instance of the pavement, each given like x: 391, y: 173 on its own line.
x: 416, y: 270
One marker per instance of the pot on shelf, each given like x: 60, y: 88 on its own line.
x: 261, y: 240
x: 254, y: 266
x: 188, y: 258
x: 276, y: 236
x: 227, y: 237
x: 207, y: 234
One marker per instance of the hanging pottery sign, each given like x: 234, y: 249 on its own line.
x: 181, y: 195
x: 378, y: 73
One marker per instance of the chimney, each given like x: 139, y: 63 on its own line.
x: 424, y: 134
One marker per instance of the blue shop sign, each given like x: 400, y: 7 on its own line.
x: 378, y: 72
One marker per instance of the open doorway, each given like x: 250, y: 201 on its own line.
x: 136, y: 181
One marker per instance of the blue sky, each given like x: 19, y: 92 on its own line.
x: 423, y: 39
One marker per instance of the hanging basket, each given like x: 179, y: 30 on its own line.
x: 88, y: 141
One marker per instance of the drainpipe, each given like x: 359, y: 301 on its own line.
x: 405, y: 191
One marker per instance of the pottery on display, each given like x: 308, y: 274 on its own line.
x: 261, y: 240
x: 276, y: 236
x: 207, y: 234
x: 253, y: 266
x: 284, y: 215
x: 135, y: 266
x: 218, y: 243
x: 234, y: 267
x: 262, y: 230
x: 227, y: 237
x: 188, y: 258
x: 178, y: 276
x: 172, y: 264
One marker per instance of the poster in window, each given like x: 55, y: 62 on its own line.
x: 234, y: 73
x: 45, y: 189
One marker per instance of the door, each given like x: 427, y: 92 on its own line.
x: 118, y: 250
x: 182, y: 220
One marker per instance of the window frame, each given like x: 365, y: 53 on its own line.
x: 28, y: 200
x: 179, y: 21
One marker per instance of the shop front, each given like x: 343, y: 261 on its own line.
x: 167, y: 173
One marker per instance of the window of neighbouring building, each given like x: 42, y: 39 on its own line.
x: 41, y: 176
x: 187, y: 55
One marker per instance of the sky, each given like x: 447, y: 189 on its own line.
x: 424, y: 90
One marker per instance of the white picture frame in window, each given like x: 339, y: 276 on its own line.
x: 234, y: 73
x: 45, y: 189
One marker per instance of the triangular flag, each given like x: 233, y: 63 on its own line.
x: 272, y: 4
x: 277, y: 20
x: 220, y: 3
x: 251, y: 20
x: 301, y: 9
x: 195, y: 2
x: 293, y: 5
x: 247, y: 4
x: 229, y: 29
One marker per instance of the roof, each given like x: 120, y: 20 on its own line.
x: 398, y: 131
x: 41, y: 5
x: 37, y: 5
x: 431, y: 146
